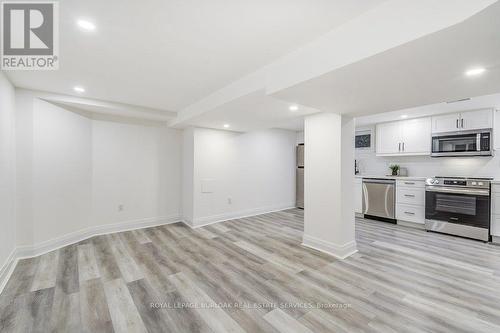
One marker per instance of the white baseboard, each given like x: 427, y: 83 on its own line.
x: 204, y: 221
x: 7, y: 269
x: 23, y: 252
x: 338, y: 251
x: 80, y: 235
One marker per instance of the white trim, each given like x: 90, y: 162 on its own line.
x: 23, y: 252
x: 78, y: 236
x: 402, y: 154
x: 338, y: 251
x: 204, y: 221
x: 7, y: 269
x: 408, y: 224
x: 363, y: 131
x: 50, y: 245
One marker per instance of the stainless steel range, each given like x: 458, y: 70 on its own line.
x: 458, y: 206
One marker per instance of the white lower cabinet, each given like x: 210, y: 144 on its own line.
x: 410, y: 213
x: 410, y: 201
x: 495, y: 212
x: 358, y: 195
x: 411, y: 196
x: 495, y: 228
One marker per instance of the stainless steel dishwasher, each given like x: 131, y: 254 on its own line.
x: 379, y: 199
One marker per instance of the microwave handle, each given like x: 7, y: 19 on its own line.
x: 478, y: 141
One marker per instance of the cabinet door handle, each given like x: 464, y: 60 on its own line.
x: 403, y: 146
x: 410, y: 213
x: 399, y: 146
x: 410, y: 195
x: 462, y: 122
x: 457, y: 124
x: 409, y: 183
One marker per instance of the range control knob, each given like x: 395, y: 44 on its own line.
x: 431, y: 181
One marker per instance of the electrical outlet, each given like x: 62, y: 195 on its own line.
x: 229, y: 201
x: 120, y: 207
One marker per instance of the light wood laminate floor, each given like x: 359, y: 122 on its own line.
x: 169, y: 279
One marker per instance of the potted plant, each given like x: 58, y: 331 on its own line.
x: 395, y: 169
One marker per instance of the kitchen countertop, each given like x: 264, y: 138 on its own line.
x: 394, y: 177
x: 495, y: 181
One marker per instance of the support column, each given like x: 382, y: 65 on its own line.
x: 328, y: 184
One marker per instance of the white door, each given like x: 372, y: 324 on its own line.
x: 388, y: 140
x: 446, y: 123
x: 472, y: 120
x: 416, y: 136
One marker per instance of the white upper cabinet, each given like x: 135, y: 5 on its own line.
x: 472, y: 120
x: 416, y: 136
x: 446, y: 123
x: 463, y: 121
x: 388, y: 138
x: 406, y: 137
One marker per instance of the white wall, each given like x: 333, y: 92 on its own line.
x: 328, y: 179
x: 74, y: 172
x: 77, y: 172
x: 62, y: 171
x: 24, y: 167
x: 7, y: 171
x: 426, y: 166
x: 300, y: 137
x: 136, y: 167
x: 242, y: 174
x: 187, y: 174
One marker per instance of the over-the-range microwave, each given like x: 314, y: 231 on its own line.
x: 463, y: 143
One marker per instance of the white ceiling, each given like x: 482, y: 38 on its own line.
x: 109, y: 108
x: 474, y: 103
x: 426, y: 71
x: 252, y: 112
x: 167, y: 54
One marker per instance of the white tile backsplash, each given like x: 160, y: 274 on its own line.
x: 427, y: 166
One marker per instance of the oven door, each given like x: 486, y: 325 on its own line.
x: 462, y: 206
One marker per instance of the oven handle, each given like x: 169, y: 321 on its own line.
x: 441, y: 189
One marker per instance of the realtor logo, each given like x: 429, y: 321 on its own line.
x: 30, y: 35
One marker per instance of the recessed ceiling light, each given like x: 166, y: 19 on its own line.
x: 226, y: 125
x: 86, y: 25
x: 475, y: 71
x: 404, y: 116
x: 79, y: 89
x: 293, y: 107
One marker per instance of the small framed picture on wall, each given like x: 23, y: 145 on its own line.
x: 363, y: 139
